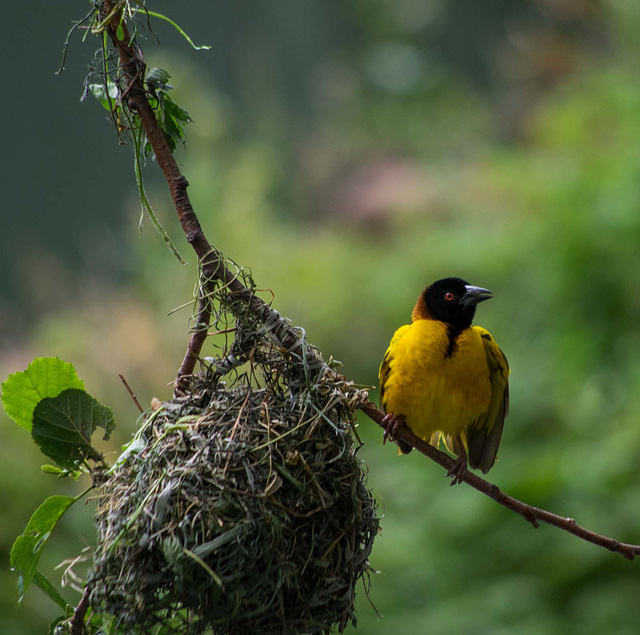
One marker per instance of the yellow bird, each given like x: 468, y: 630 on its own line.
x: 445, y: 378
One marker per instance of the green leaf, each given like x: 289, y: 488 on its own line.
x: 107, y: 96
x: 63, y: 425
x: 172, y: 118
x: 27, y: 548
x: 60, y: 472
x: 44, y: 377
x: 179, y: 114
x: 175, y: 118
x: 157, y: 77
x: 43, y: 582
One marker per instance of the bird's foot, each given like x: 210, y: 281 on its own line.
x: 459, y: 467
x: 391, y: 424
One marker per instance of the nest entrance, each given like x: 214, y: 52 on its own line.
x: 242, y: 506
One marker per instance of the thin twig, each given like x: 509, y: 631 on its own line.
x: 131, y: 393
x: 534, y: 515
x: 65, y: 46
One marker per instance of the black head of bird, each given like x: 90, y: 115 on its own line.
x: 454, y: 301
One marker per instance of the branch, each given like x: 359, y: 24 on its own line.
x: 77, y: 621
x: 198, y: 338
x: 534, y: 515
x: 211, y: 261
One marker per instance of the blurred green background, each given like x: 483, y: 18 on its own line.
x: 350, y: 153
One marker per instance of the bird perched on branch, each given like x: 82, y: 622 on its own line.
x: 446, y: 379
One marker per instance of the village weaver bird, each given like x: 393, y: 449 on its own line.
x: 446, y: 379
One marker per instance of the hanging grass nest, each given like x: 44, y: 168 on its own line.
x: 240, y: 507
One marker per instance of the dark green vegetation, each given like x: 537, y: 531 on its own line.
x: 300, y: 184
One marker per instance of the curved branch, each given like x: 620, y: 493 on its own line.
x: 534, y: 515
x: 211, y: 261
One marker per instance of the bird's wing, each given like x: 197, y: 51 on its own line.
x: 387, y: 361
x: 483, y: 438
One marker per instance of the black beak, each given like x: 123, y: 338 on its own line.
x: 474, y: 295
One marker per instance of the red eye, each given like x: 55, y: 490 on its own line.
x: 448, y: 296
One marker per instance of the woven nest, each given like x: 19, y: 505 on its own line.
x: 241, y: 507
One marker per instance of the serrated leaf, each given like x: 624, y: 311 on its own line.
x: 178, y: 113
x: 27, y: 549
x: 63, y: 426
x: 174, y: 119
x: 44, y: 377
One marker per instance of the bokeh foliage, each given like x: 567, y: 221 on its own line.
x: 347, y: 193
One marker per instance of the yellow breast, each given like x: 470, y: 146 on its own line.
x: 436, y: 389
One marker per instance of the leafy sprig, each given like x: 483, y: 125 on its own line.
x: 112, y: 92
x: 48, y: 399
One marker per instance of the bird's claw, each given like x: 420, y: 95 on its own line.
x: 391, y: 423
x: 458, y: 469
